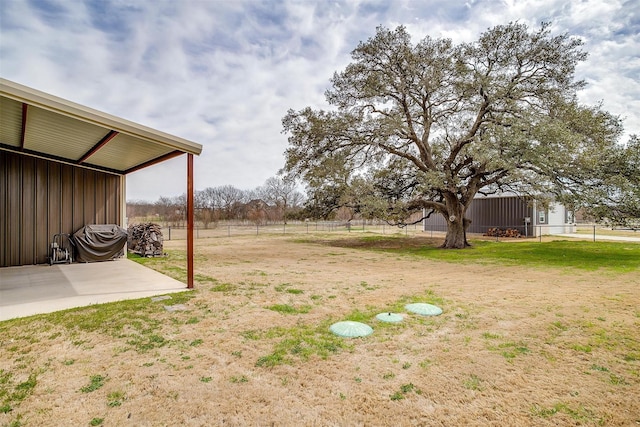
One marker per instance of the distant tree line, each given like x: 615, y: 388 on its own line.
x: 276, y: 200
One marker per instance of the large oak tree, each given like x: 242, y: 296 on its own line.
x: 431, y: 125
x: 609, y: 190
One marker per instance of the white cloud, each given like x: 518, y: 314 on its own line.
x: 223, y: 73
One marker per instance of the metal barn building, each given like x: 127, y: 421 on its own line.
x: 510, y: 212
x: 64, y: 165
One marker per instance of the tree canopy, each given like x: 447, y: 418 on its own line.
x: 433, y: 124
x: 609, y: 190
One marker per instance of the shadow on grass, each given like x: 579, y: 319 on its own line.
x: 617, y: 256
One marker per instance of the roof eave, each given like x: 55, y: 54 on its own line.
x: 43, y: 100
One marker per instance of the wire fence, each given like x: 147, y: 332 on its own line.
x: 593, y: 232
x: 290, y: 228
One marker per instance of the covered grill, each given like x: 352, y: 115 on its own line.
x: 99, y: 242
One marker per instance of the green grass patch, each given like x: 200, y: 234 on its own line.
x: 491, y: 336
x: 289, y: 309
x: 619, y: 257
x: 95, y: 382
x: 617, y: 380
x: 139, y: 322
x: 368, y: 287
x: 12, y: 393
x: 273, y: 359
x: 173, y: 265
x: 252, y: 335
x: 223, y: 287
x: 112, y: 318
x: 508, y: 349
x: 581, y: 348
x: 632, y: 357
x: 473, y: 383
x: 616, y: 256
x: 397, y: 396
x: 404, y: 390
x: 512, y: 349
x: 558, y: 326
x: 580, y: 414
x: 369, y: 313
x: 115, y: 398
x: 300, y: 342
x: 285, y: 287
x: 144, y: 343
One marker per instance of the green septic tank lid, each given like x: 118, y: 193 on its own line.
x: 424, y: 309
x: 389, y: 317
x: 351, y: 329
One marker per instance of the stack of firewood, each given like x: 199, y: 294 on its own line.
x: 498, y: 232
x: 145, y: 239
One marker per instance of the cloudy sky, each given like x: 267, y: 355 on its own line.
x: 223, y: 73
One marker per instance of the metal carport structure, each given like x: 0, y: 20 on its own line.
x: 63, y: 164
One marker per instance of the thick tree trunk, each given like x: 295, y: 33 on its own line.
x: 457, y: 225
x: 456, y: 237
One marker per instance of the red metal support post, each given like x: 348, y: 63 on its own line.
x: 189, y: 221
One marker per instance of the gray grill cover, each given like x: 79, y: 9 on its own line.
x: 99, y: 242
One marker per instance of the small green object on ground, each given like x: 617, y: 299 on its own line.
x: 351, y: 329
x: 424, y: 309
x: 389, y: 317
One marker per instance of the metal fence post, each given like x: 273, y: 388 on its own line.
x: 594, y: 232
x: 169, y: 233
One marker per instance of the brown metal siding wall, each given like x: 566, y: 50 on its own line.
x: 77, y: 199
x: 28, y: 209
x: 14, y: 182
x: 42, y: 203
x: 3, y: 210
x: 435, y: 222
x: 65, y: 193
x: 100, y: 200
x: 500, y: 212
x: 112, y: 191
x: 39, y: 198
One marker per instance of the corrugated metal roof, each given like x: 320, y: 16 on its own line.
x: 40, y: 124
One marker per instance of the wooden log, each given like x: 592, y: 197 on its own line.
x: 145, y: 239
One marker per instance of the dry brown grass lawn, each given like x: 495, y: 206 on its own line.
x: 515, y: 346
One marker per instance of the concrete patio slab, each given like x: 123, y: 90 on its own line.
x: 29, y: 290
